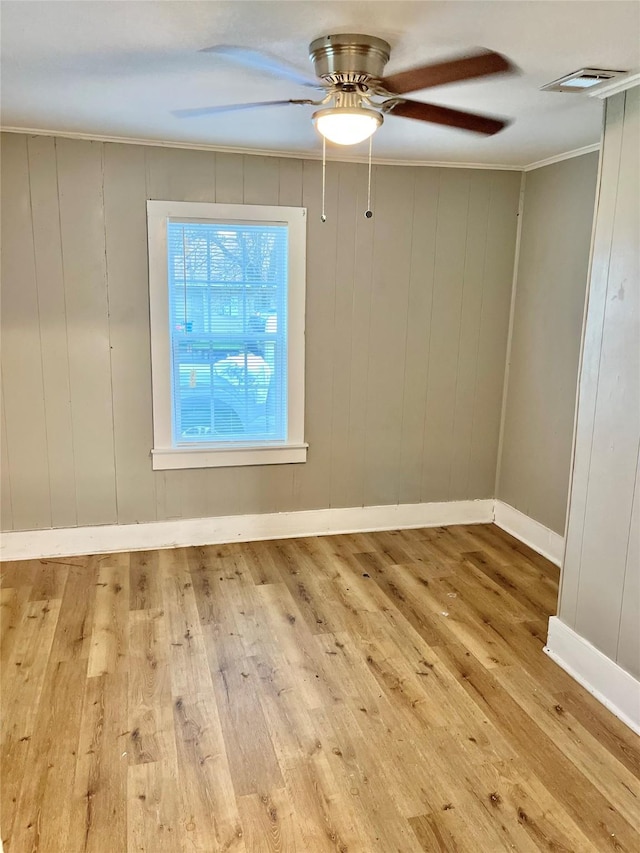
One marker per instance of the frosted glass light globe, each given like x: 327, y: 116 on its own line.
x: 347, y: 126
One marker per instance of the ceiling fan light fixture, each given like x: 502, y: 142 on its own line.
x: 347, y: 126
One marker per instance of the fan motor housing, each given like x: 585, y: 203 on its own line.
x: 349, y: 57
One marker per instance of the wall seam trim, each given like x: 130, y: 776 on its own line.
x: 558, y: 158
x: 512, y: 312
x: 596, y: 205
x: 602, y: 326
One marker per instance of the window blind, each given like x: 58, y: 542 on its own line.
x: 228, y: 331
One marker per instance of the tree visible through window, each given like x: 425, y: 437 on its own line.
x: 228, y: 298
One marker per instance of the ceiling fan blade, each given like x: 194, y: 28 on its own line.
x: 263, y: 62
x: 467, y: 68
x: 448, y: 117
x: 231, y: 108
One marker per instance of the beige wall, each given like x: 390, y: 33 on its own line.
x: 407, y: 319
x: 545, y: 345
x: 600, y: 591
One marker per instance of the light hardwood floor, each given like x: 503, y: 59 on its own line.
x: 373, y: 692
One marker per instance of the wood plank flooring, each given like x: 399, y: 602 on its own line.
x: 369, y: 693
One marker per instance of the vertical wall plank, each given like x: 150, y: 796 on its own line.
x: 469, y: 332
x: 445, y: 332
x: 544, y: 352
x: 190, y: 175
x: 168, y: 484
x: 590, y: 359
x: 600, y: 595
x: 273, y: 485
x: 261, y: 180
x: 312, y: 481
x: 25, y: 416
x: 354, y: 482
x: 53, y: 328
x: 290, y: 187
x: 249, y: 180
x: 387, y: 333
x: 192, y: 178
x: 350, y: 205
x: 229, y: 178
x: 127, y: 283
x: 616, y: 423
x: 6, y: 514
x: 494, y: 325
x: 420, y: 301
x: 628, y: 652
x: 80, y: 186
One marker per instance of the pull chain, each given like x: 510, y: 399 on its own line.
x: 323, y: 217
x: 368, y: 212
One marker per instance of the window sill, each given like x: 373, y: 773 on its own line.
x: 209, y: 457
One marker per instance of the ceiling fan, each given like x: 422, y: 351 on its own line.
x: 356, y: 96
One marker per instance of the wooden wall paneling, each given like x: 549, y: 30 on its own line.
x: 156, y: 174
x: 128, y: 291
x: 290, y: 188
x: 6, y: 514
x: 169, y: 484
x: 312, y: 479
x: 80, y: 186
x: 227, y: 489
x: 352, y: 488
x: 351, y: 204
x: 616, y: 425
x: 168, y: 495
x: 548, y: 500
x: 544, y: 350
x: 418, y: 334
x: 192, y: 178
x: 590, y: 360
x: 628, y: 651
x: 233, y: 491
x: 469, y: 334
x: 443, y: 345
x: 494, y: 329
x: 179, y: 174
x: 290, y: 192
x: 521, y: 386
x: 393, y: 214
x: 229, y: 178
x: 53, y: 328
x: 271, y: 485
x: 261, y: 179
x: 374, y: 372
x: 191, y: 174
x: 22, y: 380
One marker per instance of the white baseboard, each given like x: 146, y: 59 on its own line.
x: 617, y: 689
x: 531, y: 532
x: 67, y: 542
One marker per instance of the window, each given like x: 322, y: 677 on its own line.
x: 227, y: 288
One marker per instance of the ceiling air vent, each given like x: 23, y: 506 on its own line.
x: 580, y: 81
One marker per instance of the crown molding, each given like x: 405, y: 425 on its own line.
x: 558, y: 158
x: 298, y: 155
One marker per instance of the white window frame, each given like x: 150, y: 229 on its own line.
x: 165, y: 455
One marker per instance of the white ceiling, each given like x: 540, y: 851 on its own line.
x: 118, y: 68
